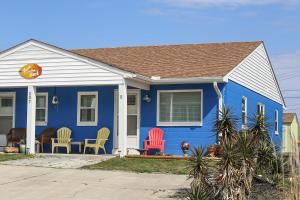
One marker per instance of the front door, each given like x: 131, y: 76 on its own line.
x: 133, y: 119
x: 7, y: 105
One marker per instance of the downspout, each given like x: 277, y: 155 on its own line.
x: 220, y: 98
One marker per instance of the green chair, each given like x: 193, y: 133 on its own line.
x: 99, y: 142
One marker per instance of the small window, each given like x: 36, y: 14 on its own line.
x: 276, y: 122
x: 41, y: 109
x: 179, y: 108
x: 87, y: 109
x: 6, y: 102
x: 261, y: 109
x: 244, y: 112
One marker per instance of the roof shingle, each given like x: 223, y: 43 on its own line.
x: 175, y: 61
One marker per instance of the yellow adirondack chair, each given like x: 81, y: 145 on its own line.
x: 100, y: 141
x: 63, y: 139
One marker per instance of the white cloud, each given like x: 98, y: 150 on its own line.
x: 229, y: 3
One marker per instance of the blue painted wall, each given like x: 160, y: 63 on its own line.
x: 233, y: 94
x: 66, y: 113
x: 195, y: 135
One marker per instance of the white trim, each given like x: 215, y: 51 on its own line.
x: 65, y: 53
x: 138, y: 84
x: 276, y: 122
x: 79, y: 94
x: 129, y: 91
x: 30, y: 128
x: 158, y: 123
x: 13, y: 95
x: 43, y: 123
x: 122, y: 119
x: 156, y: 80
x: 244, y: 126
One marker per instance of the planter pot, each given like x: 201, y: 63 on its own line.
x: 22, y: 148
x: 212, y: 151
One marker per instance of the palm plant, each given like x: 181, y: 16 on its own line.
x: 226, y: 126
x: 246, y: 151
x: 200, y: 192
x: 198, y: 165
x: 259, y: 127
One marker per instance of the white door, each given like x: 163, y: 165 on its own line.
x: 133, y: 119
x: 7, y: 112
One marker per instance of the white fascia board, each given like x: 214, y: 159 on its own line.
x: 277, y: 84
x: 138, y: 84
x: 64, y: 52
x: 188, y: 80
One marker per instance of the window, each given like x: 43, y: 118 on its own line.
x: 179, y: 108
x: 261, y: 109
x: 87, y: 108
x: 244, y: 112
x: 276, y: 122
x: 41, y: 109
x: 6, y: 102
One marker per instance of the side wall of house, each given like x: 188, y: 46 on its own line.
x: 174, y: 135
x: 233, y: 94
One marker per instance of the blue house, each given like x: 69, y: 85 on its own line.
x: 179, y: 88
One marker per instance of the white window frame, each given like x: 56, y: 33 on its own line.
x: 79, y: 123
x: 244, y: 126
x: 276, y: 123
x: 43, y: 123
x: 158, y: 123
x: 263, y: 108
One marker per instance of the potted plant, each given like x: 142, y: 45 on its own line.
x: 185, y: 147
x: 212, y: 150
x: 22, y: 146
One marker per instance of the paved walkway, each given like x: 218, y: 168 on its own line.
x: 71, y: 161
x: 36, y: 183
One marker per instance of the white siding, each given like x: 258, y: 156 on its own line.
x: 57, y: 69
x: 256, y: 73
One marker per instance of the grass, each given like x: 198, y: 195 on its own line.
x: 144, y: 165
x: 5, y: 157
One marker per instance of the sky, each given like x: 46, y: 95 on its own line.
x: 72, y: 24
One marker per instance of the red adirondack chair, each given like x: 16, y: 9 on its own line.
x: 155, y: 140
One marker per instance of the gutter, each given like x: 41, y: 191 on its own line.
x: 158, y: 80
x: 220, y: 98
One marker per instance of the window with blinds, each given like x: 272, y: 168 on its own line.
x: 180, y: 108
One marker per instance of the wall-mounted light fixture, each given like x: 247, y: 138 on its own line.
x: 147, y: 98
x: 55, y: 101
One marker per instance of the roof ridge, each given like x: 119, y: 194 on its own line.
x: 169, y: 45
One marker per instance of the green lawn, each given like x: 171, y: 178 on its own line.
x: 143, y: 165
x: 5, y: 157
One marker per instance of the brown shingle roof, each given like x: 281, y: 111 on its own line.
x: 174, y: 61
x: 288, y: 117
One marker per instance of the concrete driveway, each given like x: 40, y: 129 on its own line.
x: 36, y: 183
